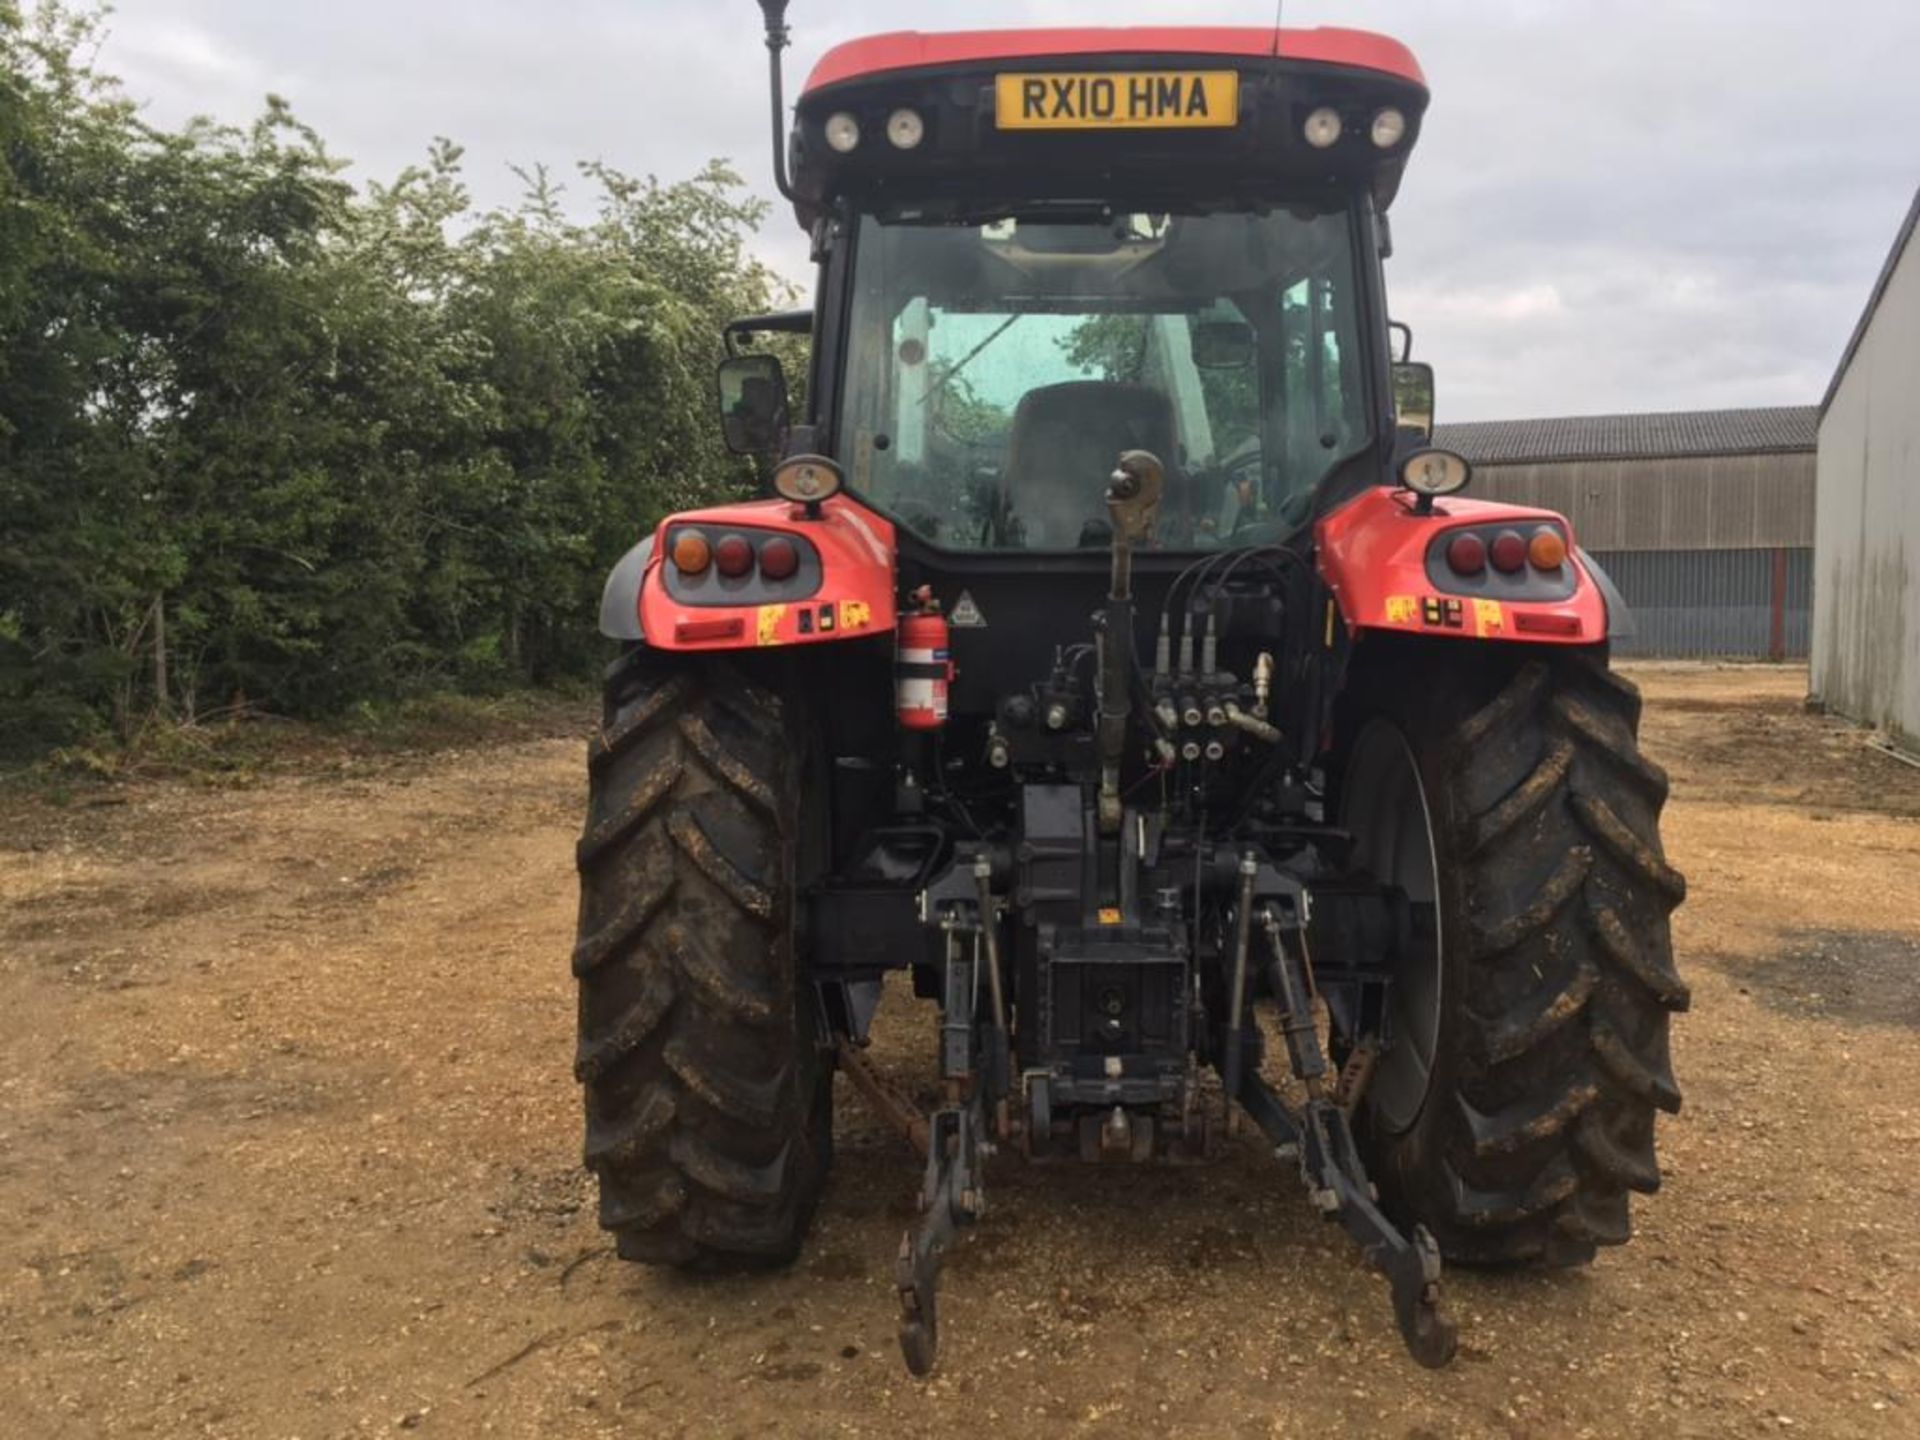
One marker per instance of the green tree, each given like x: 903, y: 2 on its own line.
x: 269, y: 440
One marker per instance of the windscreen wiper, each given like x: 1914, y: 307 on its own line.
x: 966, y: 360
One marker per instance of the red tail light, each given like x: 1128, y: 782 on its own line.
x: 733, y: 556
x: 1508, y: 552
x: 778, y: 559
x: 1467, y: 554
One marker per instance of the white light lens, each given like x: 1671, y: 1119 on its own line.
x: 1388, y: 127
x: 1435, y: 472
x: 904, y: 129
x: 1323, y: 127
x: 843, y: 131
x: 807, y: 479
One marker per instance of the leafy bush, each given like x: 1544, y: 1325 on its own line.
x: 271, y: 440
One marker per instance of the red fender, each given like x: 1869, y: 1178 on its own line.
x: 1374, y: 551
x: 852, y: 598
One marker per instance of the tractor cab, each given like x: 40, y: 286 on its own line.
x: 1043, y: 247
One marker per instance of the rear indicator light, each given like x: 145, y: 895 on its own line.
x: 1547, y: 550
x: 733, y: 556
x: 1508, y: 552
x: 778, y: 559
x: 1467, y: 554
x: 691, y: 553
x: 729, y: 629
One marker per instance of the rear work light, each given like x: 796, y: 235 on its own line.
x: 905, y: 129
x: 1323, y: 127
x: 1388, y: 128
x: 843, y: 131
x: 807, y: 479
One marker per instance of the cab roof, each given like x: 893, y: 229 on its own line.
x: 874, y: 55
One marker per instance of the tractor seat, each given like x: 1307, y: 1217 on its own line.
x: 1064, y: 442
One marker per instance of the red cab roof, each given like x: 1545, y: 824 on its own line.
x: 914, y: 49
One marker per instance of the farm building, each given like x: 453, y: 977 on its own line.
x: 1866, y: 638
x: 1704, y: 519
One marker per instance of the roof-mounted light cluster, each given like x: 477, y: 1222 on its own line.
x: 905, y: 130
x: 1325, y: 125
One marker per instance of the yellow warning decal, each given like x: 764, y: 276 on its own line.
x: 855, y: 614
x: 1109, y: 915
x: 1488, y: 618
x: 769, y: 626
x: 1403, y: 609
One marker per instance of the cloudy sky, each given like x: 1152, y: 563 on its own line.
x: 1633, y: 205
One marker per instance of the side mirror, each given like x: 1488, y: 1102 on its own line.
x: 1413, y: 397
x: 1222, y: 345
x: 753, y: 403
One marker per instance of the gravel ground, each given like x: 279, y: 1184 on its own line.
x: 288, y: 1147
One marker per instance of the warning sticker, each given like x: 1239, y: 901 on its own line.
x: 1488, y: 618
x: 966, y: 614
x: 1403, y: 609
x: 769, y: 624
x: 855, y: 615
x: 1109, y: 915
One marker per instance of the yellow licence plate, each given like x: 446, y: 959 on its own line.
x: 1123, y: 100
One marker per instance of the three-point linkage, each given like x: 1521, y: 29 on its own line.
x: 1318, y: 1134
x: 974, y: 1067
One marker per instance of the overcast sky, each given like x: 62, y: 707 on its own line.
x: 1634, y: 205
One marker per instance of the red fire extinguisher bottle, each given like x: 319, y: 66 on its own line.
x: 922, y: 666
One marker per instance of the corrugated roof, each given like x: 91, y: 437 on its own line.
x: 1873, y: 300
x: 1772, y: 430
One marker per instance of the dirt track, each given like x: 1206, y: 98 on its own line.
x: 288, y: 1146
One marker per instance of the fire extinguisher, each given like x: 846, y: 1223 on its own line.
x: 922, y: 667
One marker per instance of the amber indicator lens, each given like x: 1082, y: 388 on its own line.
x: 1467, y: 554
x: 778, y: 559
x: 691, y: 553
x: 1546, y: 551
x: 733, y: 556
x: 1509, y: 551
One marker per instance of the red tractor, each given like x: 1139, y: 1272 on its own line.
x: 1114, y: 656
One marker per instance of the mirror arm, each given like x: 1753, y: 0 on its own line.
x: 775, y: 13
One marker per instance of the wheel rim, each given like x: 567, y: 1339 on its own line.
x: 1384, y: 806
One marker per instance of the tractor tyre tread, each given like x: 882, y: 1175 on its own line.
x: 707, y: 1088
x: 1556, y: 1057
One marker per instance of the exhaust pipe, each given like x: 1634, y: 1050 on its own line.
x: 775, y: 14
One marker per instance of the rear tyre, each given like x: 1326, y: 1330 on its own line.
x: 708, y: 1090
x: 1514, y: 1114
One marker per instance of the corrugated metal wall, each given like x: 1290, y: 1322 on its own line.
x: 1866, y: 663
x: 1715, y: 604
x: 1701, y: 502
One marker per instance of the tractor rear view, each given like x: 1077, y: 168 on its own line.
x: 1113, y: 656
